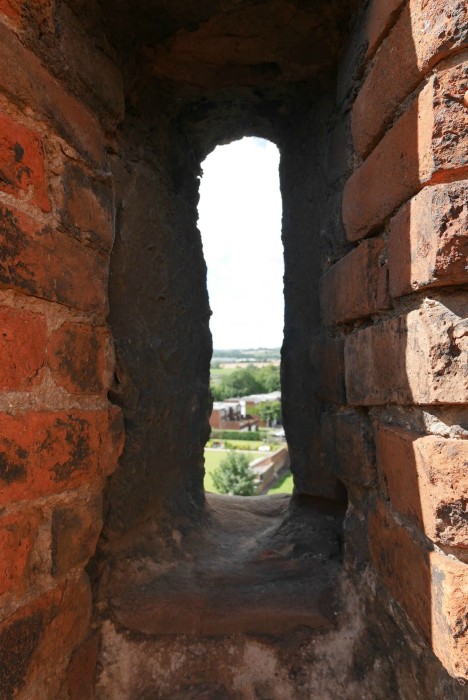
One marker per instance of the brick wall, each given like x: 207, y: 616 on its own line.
x: 396, y: 432
x: 59, y: 436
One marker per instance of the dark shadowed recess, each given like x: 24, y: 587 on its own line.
x: 199, y: 74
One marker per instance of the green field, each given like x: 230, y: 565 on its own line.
x: 213, y: 459
x: 285, y: 485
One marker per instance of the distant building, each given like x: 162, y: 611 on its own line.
x: 229, y: 415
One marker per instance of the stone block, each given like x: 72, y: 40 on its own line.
x: 424, y: 33
x: 427, y: 144
x: 356, y: 286
x: 81, y: 358
x: 45, y: 263
x: 434, y: 472
x: 417, y: 358
x: 23, y: 336
x: 428, y: 240
x: 22, y: 168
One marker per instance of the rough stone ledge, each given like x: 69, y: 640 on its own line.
x: 260, y: 565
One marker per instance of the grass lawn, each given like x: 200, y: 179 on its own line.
x: 284, y: 485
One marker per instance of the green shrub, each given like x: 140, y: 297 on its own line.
x: 234, y: 476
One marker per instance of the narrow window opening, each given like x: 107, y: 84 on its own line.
x: 240, y: 223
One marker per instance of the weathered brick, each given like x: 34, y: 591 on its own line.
x: 326, y: 356
x: 381, y: 16
x: 82, y: 668
x: 356, y: 286
x: 44, y: 453
x: 366, y: 37
x: 18, y: 641
x: 75, y: 532
x: 25, y: 81
x: 17, y: 538
x: 81, y: 358
x: 348, y: 447
x: 434, y: 472
x: 22, y: 348
x: 36, y: 642
x: 450, y: 613
x: 428, y: 144
x: 428, y: 240
x: 39, y: 261
x: 87, y: 209
x: 420, y: 358
x: 430, y: 587
x: 11, y: 9
x: 403, y: 565
x: 22, y: 167
x: 424, y: 33
x: 93, y: 67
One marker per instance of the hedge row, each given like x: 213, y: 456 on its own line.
x: 250, y: 436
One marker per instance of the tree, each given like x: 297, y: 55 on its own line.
x: 234, y: 476
x: 247, y: 381
x: 270, y: 411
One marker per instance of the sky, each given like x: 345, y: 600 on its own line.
x: 240, y: 225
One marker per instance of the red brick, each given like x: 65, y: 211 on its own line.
x: 434, y: 472
x: 403, y: 566
x: 381, y: 16
x: 19, y: 638
x: 450, y: 613
x: 25, y: 81
x: 355, y: 286
x: 429, y: 586
x: 80, y: 358
x: 416, y: 358
x: 87, y: 209
x: 37, y: 260
x: 82, y: 668
x: 98, y: 73
x: 326, y: 356
x: 36, y: 642
x: 43, y: 453
x: 428, y: 240
x: 17, y: 538
x: 22, y: 163
x: 348, y: 447
x: 424, y: 33
x: 428, y: 144
x: 11, y: 9
x: 375, y: 23
x: 22, y: 348
x: 75, y: 532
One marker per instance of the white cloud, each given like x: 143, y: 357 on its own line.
x: 240, y: 224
